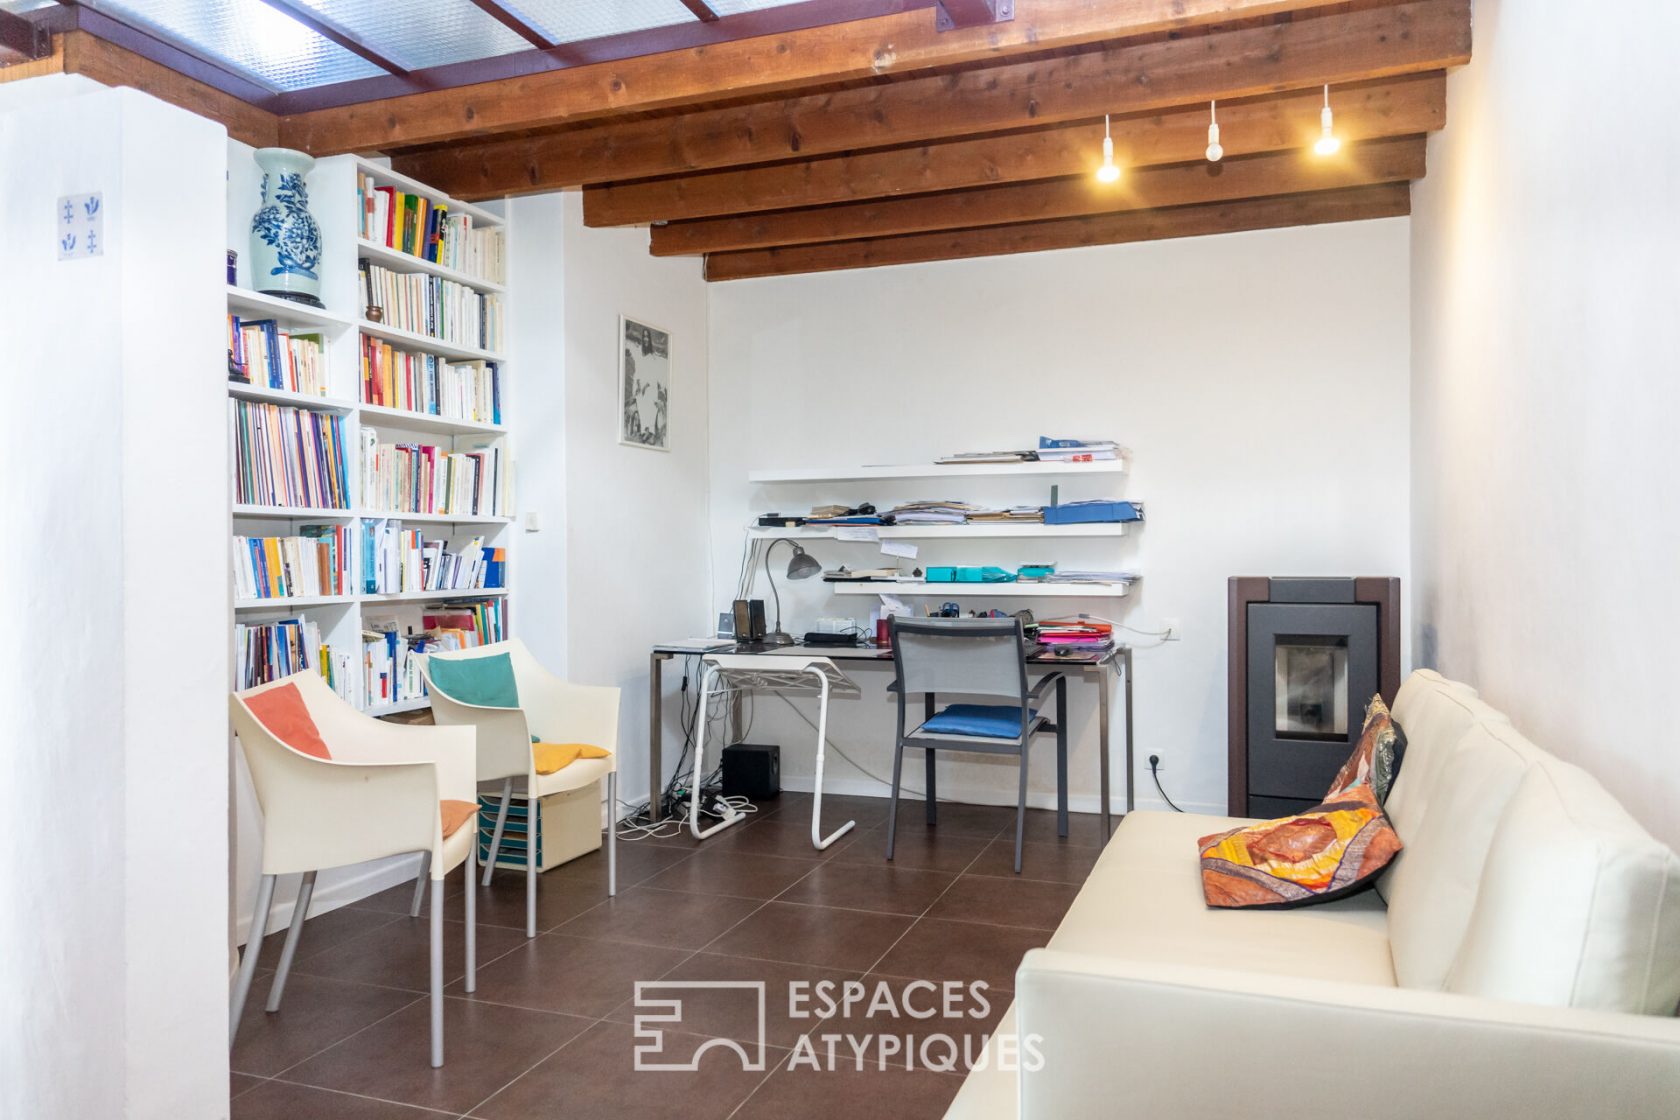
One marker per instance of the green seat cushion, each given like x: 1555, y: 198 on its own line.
x: 485, y: 681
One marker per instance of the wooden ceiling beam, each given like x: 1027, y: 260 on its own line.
x: 1355, y: 204
x: 22, y: 41
x: 903, y: 43
x: 1375, y: 161
x: 1397, y: 107
x: 1346, y: 47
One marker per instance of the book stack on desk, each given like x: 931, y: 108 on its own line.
x: 1077, y: 636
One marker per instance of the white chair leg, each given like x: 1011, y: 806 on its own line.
x: 420, y: 882
x: 471, y: 877
x: 293, y: 935
x: 612, y: 833
x: 819, y: 841
x: 496, y: 835
x: 253, y: 949
x: 531, y: 809
x: 437, y: 973
x: 708, y: 677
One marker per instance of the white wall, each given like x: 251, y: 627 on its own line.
x: 1259, y: 378
x: 1546, y: 258
x: 112, y: 466
x: 620, y: 560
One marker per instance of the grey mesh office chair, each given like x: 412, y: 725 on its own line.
x: 984, y: 657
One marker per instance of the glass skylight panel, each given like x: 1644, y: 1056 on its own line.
x: 568, y: 21
x: 416, y: 34
x: 249, y: 37
x: 736, y: 7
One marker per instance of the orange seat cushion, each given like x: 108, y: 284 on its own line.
x: 552, y: 757
x: 455, y: 814
x: 287, y: 718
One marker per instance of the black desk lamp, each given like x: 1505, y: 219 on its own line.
x: 802, y: 565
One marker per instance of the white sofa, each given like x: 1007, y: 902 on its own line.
x: 1521, y: 958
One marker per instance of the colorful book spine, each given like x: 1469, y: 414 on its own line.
x: 287, y: 456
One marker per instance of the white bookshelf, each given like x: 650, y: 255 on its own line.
x: 342, y: 324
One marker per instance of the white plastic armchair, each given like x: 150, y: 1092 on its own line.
x: 378, y: 795
x: 554, y: 711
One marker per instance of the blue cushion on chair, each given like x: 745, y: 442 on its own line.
x: 995, y: 721
x: 485, y: 681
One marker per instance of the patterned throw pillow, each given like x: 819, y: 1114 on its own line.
x: 1376, y: 760
x: 1329, y: 851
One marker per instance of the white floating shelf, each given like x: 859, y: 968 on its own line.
x: 437, y: 518
x: 292, y: 602
x: 292, y: 513
x: 399, y: 706
x: 937, y: 470
x: 454, y: 351
x: 417, y: 596
x: 266, y: 395
x: 397, y: 259
x: 973, y: 531
x: 249, y: 304
x: 378, y: 415
x: 987, y: 590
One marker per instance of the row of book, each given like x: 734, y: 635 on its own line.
x: 422, y: 478
x: 434, y: 307
x: 395, y: 559
x: 426, y: 383
x: 267, y: 651
x: 390, y: 675
x: 261, y: 353
x: 414, y: 224
x: 315, y: 562
x: 287, y: 456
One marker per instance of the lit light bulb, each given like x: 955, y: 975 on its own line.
x: 1327, y: 144
x: 1109, y: 172
x: 1214, y: 151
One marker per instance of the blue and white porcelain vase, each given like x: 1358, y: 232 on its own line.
x: 285, y: 241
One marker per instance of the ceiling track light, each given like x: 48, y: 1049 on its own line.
x: 1109, y: 172
x: 1328, y: 144
x: 1214, y: 152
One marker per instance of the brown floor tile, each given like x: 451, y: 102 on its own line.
x: 239, y: 1083
x: 814, y: 935
x: 637, y: 861
x: 884, y: 888
x: 673, y: 919
x: 918, y: 1024
x: 315, y: 1014
x: 595, y: 1076
x: 502, y: 903
x: 485, y: 1047
x: 1055, y: 863
x: 733, y: 1013
x: 919, y: 848
x: 847, y: 1093
x: 939, y: 950
x: 787, y: 838
x: 398, y: 955
x: 324, y: 931
x: 982, y: 821
x: 1084, y: 829
x: 740, y: 874
x: 278, y: 1100
x: 397, y: 900
x: 837, y: 808
x: 569, y: 974
x: 1008, y: 901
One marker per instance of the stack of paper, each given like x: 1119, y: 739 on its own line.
x: 1021, y: 514
x: 936, y: 513
x: 1075, y: 575
x: 1076, y: 450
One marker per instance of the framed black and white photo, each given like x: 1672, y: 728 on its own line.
x: 644, y: 385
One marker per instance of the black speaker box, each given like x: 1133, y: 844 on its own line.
x: 752, y: 770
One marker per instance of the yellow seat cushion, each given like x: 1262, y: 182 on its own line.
x: 550, y: 757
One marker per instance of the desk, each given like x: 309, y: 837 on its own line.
x: 1119, y: 658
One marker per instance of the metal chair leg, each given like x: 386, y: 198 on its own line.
x: 892, y: 809
x: 1021, y: 811
x: 531, y: 810
x: 1061, y: 759
x: 420, y: 882
x: 253, y: 949
x: 612, y: 833
x: 471, y: 938
x: 932, y: 788
x: 496, y: 834
x: 293, y: 935
x: 437, y: 973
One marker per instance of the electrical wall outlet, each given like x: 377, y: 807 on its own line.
x: 1174, y: 629
x: 533, y: 522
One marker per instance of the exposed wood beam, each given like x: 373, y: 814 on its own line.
x: 701, y: 10
x: 1358, y: 165
x: 79, y: 52
x: 1341, y: 48
x: 21, y: 40
x: 329, y: 30
x: 1356, y: 204
x: 973, y: 13
x: 895, y: 44
x: 513, y: 23
x: 1396, y: 107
